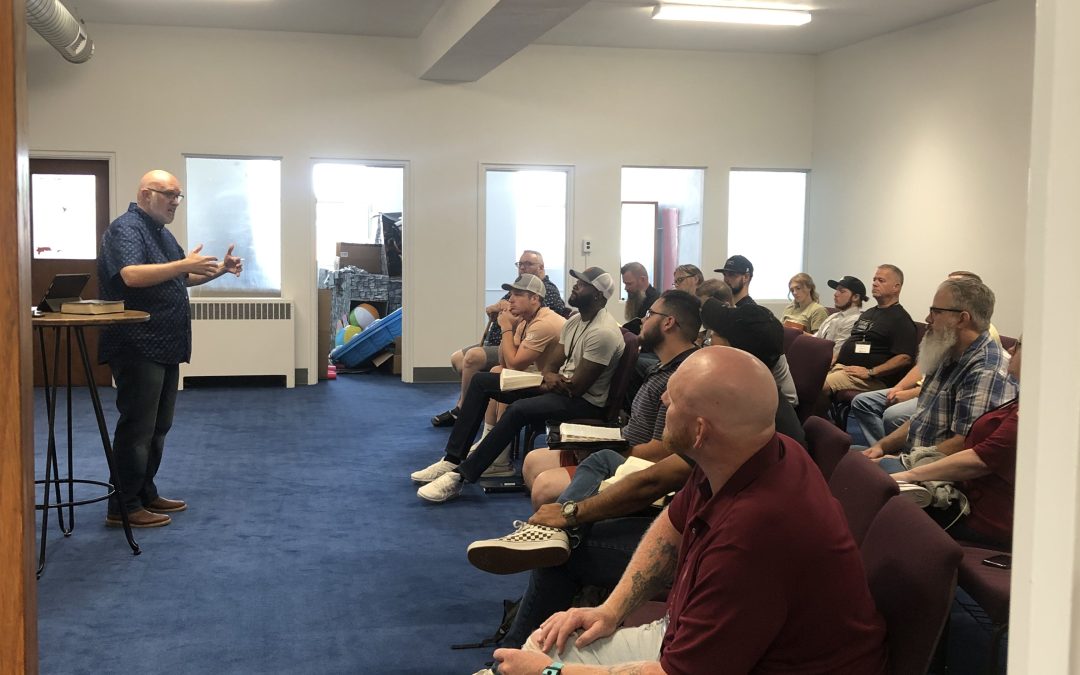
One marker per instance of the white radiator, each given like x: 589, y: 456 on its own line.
x: 241, y: 337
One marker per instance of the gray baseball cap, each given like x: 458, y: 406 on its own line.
x: 527, y: 282
x: 598, y: 279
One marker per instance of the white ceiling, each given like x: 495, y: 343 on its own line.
x: 461, y: 40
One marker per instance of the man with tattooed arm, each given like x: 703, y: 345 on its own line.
x: 764, y: 574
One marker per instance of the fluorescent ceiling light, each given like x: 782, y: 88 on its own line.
x: 751, y: 15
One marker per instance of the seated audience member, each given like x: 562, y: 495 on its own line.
x: 737, y: 547
x: 534, y: 343
x: 738, y: 273
x: 882, y: 343
x: 805, y: 312
x: 715, y: 288
x: 575, y: 385
x: 984, y: 471
x: 879, y: 413
x: 848, y: 296
x: 605, y: 527
x: 640, y: 295
x: 669, y: 330
x: 688, y: 278
x: 752, y: 319
x: 483, y: 357
x: 965, y: 372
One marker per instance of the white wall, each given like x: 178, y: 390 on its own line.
x: 921, y: 152
x: 151, y: 94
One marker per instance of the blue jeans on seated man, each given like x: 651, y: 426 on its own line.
x: 876, y: 419
x: 527, y: 406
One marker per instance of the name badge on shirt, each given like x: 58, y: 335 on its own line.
x: 862, y: 347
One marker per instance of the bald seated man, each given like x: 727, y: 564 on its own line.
x: 142, y: 264
x: 754, y: 521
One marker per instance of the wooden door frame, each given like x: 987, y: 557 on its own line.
x: 18, y: 588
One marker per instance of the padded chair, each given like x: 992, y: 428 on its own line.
x: 826, y: 444
x: 911, y: 567
x: 1007, y: 342
x: 862, y: 488
x: 809, y: 359
x: 988, y: 586
x: 789, y: 336
x: 620, y: 381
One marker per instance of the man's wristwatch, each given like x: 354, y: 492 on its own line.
x: 554, y: 668
x: 569, y: 513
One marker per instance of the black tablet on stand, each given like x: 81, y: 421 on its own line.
x: 64, y: 288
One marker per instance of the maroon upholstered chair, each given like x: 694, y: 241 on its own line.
x: 789, y: 336
x: 1007, y: 342
x: 809, y: 359
x: 862, y: 488
x: 827, y: 444
x: 911, y: 566
x: 988, y: 586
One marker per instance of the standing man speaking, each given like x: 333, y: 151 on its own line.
x: 142, y: 264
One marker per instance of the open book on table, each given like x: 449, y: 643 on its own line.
x: 586, y: 437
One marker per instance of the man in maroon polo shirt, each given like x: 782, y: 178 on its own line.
x: 765, y: 576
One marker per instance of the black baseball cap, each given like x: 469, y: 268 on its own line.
x: 751, y: 328
x: 851, y: 283
x: 738, y: 265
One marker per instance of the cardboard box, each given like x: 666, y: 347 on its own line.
x: 367, y: 257
x: 397, y: 356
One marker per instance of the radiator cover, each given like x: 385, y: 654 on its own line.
x: 231, y: 337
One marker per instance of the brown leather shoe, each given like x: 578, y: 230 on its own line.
x: 140, y: 518
x: 162, y: 505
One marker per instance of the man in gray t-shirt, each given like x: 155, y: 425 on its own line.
x: 576, y: 381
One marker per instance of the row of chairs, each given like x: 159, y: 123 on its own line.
x: 912, y: 564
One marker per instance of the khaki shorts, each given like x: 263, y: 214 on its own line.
x: 492, y: 354
x: 838, y: 380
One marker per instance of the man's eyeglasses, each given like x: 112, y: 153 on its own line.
x: 169, y: 194
x: 525, y: 263
x: 679, y: 280
x: 650, y: 312
x: 939, y: 310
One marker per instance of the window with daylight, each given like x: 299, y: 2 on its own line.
x: 767, y: 224
x: 348, y: 198
x: 237, y: 200
x: 524, y: 209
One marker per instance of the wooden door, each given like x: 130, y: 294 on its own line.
x: 70, y: 199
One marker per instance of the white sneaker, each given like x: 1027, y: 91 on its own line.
x: 529, y: 547
x: 443, y: 488
x: 916, y: 493
x: 428, y: 474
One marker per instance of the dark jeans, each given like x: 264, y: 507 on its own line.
x: 526, y: 407
x: 598, y: 560
x: 145, y: 397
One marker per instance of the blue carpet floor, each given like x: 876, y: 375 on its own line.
x: 304, y: 550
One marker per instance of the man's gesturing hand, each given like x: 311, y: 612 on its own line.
x: 203, y: 265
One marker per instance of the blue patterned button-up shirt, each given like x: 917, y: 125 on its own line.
x: 959, y: 392
x: 135, y: 238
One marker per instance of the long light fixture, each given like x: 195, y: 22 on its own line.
x: 750, y: 15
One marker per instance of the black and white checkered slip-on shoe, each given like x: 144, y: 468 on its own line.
x: 528, y: 547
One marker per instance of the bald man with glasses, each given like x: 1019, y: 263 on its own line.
x: 142, y: 264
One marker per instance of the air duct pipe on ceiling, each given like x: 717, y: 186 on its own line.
x: 63, y: 31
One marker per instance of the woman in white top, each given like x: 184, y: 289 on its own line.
x: 804, y: 312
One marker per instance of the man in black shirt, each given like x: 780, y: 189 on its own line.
x: 738, y: 272
x: 640, y: 295
x: 883, y: 342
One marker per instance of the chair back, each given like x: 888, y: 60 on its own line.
x: 789, y: 336
x: 920, y: 331
x: 1007, y: 342
x: 911, y: 568
x: 809, y: 359
x: 826, y: 444
x: 862, y: 488
x: 620, y: 380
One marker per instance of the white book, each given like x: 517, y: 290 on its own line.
x: 510, y: 379
x: 580, y: 433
